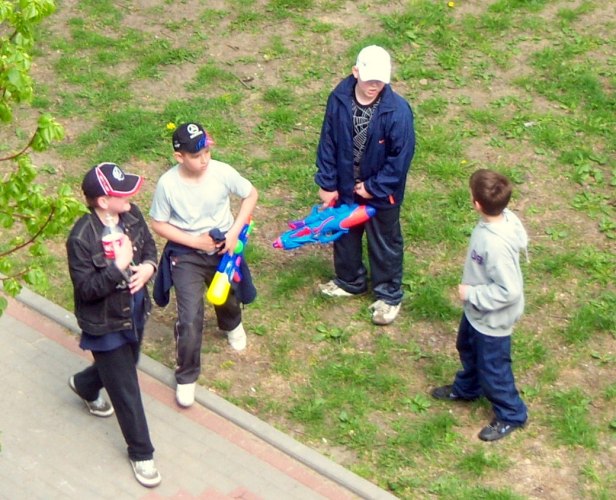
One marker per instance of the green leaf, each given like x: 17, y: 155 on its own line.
x: 5, y: 266
x: 35, y: 277
x: 12, y: 286
x: 5, y: 112
x: 3, y: 304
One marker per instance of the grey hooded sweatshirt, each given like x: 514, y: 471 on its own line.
x: 495, y: 296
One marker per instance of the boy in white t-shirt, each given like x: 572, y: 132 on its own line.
x: 192, y: 199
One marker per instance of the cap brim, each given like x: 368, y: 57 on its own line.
x: 127, y: 187
x: 367, y: 76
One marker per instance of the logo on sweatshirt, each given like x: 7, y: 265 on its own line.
x: 477, y: 258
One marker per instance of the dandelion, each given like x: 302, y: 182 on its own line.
x: 451, y: 4
x: 171, y: 126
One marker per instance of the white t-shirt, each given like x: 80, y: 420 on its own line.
x: 198, y: 207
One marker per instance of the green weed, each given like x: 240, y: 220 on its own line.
x: 478, y: 462
x: 456, y: 488
x: 594, y: 316
x: 569, y: 419
x: 435, y: 432
x: 528, y: 350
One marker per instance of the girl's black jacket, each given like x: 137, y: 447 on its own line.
x: 102, y: 297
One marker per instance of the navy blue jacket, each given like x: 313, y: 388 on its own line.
x: 388, y: 152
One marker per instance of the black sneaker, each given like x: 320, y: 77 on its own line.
x: 497, y: 430
x: 446, y: 393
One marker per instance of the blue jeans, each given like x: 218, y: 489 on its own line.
x: 486, y: 371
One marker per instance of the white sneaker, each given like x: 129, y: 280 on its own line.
x: 98, y: 407
x: 146, y: 472
x: 330, y: 289
x: 384, y: 313
x: 237, y: 338
x: 185, y: 394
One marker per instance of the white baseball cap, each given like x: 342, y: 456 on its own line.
x: 374, y: 63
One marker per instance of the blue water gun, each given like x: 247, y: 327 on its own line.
x: 229, y: 269
x: 323, y: 225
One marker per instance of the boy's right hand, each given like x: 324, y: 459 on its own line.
x: 328, y: 197
x: 206, y: 243
x: 123, y: 249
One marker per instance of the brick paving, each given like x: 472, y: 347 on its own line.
x: 51, y: 447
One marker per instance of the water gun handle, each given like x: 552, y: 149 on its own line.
x: 228, y: 270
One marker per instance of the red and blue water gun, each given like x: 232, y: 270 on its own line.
x: 323, y: 225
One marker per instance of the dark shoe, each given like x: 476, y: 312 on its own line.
x: 446, y: 393
x: 99, y: 407
x: 497, y: 430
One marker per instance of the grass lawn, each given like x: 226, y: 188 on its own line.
x: 526, y: 87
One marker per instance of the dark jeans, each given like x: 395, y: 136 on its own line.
x: 486, y: 371
x: 117, y: 371
x: 385, y: 252
x: 191, y: 272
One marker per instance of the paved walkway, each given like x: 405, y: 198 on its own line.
x: 51, y: 448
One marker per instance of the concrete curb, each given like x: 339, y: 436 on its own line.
x: 220, y: 406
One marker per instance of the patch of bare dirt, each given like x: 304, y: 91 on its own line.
x: 537, y: 470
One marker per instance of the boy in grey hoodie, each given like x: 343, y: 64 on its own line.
x: 492, y: 291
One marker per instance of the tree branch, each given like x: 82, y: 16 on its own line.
x: 12, y: 157
x: 34, y: 237
x: 13, y: 276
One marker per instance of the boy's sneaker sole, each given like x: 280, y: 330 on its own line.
x: 98, y: 407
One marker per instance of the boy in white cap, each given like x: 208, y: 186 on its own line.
x: 112, y: 304
x: 364, y: 154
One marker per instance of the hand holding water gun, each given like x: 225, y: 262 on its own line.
x: 229, y: 269
x: 323, y: 225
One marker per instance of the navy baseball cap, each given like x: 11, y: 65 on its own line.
x: 107, y: 179
x: 190, y: 138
